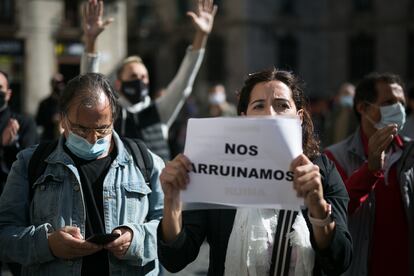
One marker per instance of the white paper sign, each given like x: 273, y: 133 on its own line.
x: 243, y: 162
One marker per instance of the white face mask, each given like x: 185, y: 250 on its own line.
x: 391, y: 114
x: 80, y: 147
x: 346, y: 101
x: 217, y: 98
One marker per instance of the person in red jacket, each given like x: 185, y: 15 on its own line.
x: 376, y: 165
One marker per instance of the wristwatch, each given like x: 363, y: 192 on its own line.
x: 321, y: 222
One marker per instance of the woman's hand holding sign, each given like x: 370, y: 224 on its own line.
x: 307, y: 183
x: 174, y: 177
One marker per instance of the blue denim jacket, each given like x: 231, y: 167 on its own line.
x: 58, y: 202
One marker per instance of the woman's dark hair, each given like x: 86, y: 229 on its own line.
x: 86, y: 90
x: 310, y: 143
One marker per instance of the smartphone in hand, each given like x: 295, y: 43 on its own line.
x: 103, y: 238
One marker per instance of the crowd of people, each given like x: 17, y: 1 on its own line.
x: 100, y: 193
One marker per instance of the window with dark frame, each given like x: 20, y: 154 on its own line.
x: 6, y: 11
x: 361, y: 56
x: 143, y: 12
x: 362, y: 5
x: 287, y: 7
x: 72, y: 16
x: 182, y: 9
x: 287, y: 53
x: 215, y: 59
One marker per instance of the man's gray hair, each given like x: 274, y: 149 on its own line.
x: 86, y: 90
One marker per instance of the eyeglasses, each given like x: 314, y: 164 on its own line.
x: 85, y: 131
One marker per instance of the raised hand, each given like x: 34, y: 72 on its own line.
x: 174, y: 177
x: 308, y: 185
x: 9, y: 135
x: 93, y: 23
x: 203, y: 18
x: 378, y: 144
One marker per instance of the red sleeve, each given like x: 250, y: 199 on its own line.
x: 359, y: 184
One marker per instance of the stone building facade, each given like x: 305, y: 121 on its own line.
x: 325, y: 42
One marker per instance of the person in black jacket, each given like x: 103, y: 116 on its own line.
x: 17, y: 132
x: 316, y: 180
x: 48, y: 113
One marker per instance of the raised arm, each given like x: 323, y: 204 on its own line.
x: 180, y: 234
x: 203, y: 22
x: 93, y: 25
x: 181, y: 86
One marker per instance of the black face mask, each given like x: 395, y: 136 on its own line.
x: 135, y: 91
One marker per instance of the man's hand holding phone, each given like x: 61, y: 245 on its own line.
x: 120, y: 246
x: 103, y: 239
x: 68, y: 243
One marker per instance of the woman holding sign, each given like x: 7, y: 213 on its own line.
x: 251, y: 241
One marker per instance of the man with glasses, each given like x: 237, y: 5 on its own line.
x: 376, y: 164
x: 90, y: 186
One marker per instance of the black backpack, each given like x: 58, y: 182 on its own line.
x: 135, y: 147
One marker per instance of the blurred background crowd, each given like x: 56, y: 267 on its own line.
x: 329, y: 44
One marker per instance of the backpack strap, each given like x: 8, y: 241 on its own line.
x: 37, y: 164
x: 141, y: 155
